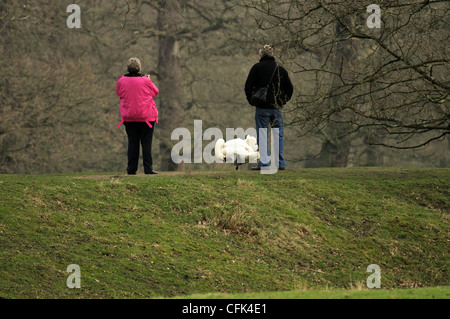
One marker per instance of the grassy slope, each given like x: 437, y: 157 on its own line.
x: 441, y: 292
x: 229, y: 231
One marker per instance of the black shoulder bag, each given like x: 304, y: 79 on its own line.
x: 260, y: 95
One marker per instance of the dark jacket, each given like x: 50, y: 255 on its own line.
x: 280, y: 91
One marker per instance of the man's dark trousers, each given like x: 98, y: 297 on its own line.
x: 266, y: 118
x: 139, y: 133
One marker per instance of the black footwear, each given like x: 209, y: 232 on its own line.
x: 152, y: 172
x: 131, y: 173
x: 257, y: 168
x: 282, y: 168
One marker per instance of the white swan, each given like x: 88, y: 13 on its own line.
x: 237, y: 151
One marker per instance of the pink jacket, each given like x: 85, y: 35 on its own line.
x: 136, y: 95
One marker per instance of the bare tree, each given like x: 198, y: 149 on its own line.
x: 51, y: 116
x: 391, y: 80
x: 180, y: 26
x: 169, y: 75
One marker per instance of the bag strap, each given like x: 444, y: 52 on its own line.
x: 270, y: 81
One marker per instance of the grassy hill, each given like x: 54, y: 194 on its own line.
x: 178, y: 234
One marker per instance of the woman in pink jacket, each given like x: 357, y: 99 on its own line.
x: 139, y: 114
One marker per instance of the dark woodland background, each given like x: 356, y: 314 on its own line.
x: 362, y: 97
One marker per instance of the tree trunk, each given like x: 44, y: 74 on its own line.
x: 335, y: 151
x: 374, y: 157
x: 169, y: 81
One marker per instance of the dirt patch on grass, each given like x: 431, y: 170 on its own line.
x: 160, y: 174
x: 102, y: 177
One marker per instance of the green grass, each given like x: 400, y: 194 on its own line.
x: 309, y: 232
x: 356, y: 293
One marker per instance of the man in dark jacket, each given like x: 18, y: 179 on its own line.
x: 278, y: 94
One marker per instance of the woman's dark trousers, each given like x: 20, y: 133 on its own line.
x: 139, y: 133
